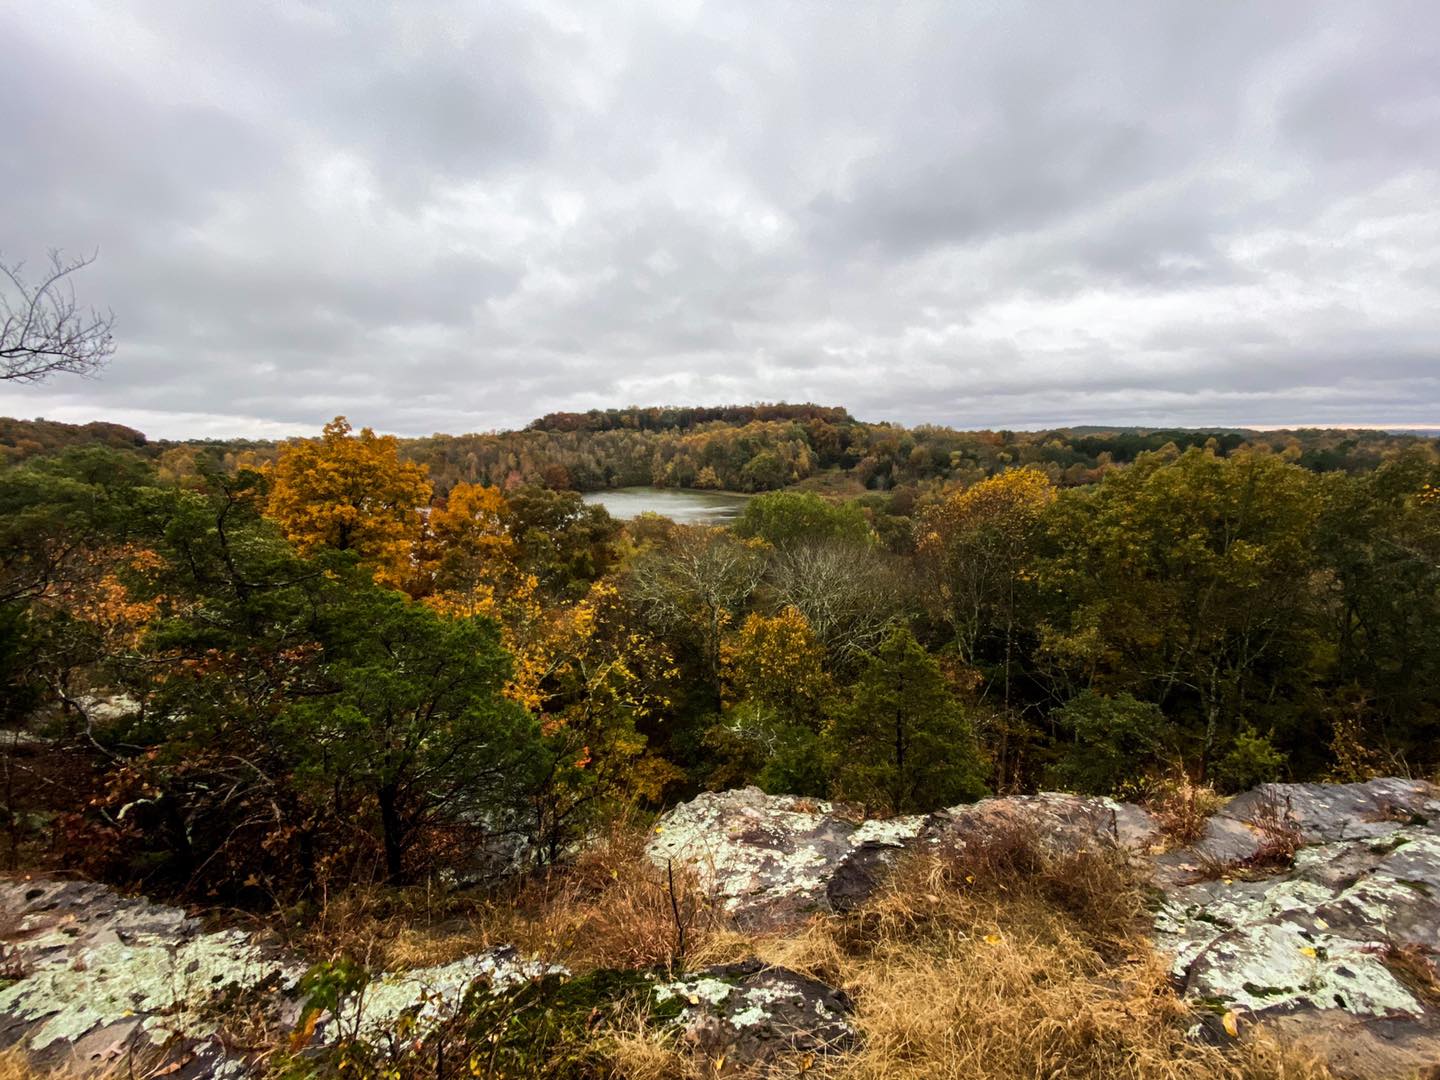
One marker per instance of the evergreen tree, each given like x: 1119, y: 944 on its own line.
x: 902, y: 743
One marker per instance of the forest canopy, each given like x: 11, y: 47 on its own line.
x: 250, y: 670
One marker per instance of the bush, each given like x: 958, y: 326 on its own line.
x: 1252, y: 759
x: 1114, y: 741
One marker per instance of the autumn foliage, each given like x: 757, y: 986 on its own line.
x: 268, y: 678
x: 350, y: 492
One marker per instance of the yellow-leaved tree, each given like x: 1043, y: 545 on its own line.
x: 776, y: 660
x: 776, y: 688
x: 977, y: 545
x: 466, y: 561
x: 351, y: 492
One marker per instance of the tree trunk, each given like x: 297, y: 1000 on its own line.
x: 394, y: 834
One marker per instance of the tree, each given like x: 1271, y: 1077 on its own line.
x: 785, y: 518
x: 1112, y: 742
x: 564, y: 541
x: 43, y: 329
x: 902, y: 743
x: 350, y: 493
x: 1188, y: 580
x: 412, y: 718
x: 977, y: 546
x: 603, y: 679
x: 776, y: 689
x: 466, y: 543
x: 696, y: 585
x: 1379, y: 540
x: 849, y: 594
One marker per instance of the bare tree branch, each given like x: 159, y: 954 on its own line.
x: 43, y: 329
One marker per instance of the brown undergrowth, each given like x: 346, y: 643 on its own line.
x: 1001, y: 961
x: 16, y: 1065
x: 609, y: 908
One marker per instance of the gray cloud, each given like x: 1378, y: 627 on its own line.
x: 449, y: 216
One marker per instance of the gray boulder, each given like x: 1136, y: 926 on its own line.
x: 747, y: 1013
x: 771, y: 860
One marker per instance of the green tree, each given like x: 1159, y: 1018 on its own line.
x: 1188, y: 580
x: 1379, y: 541
x: 413, y: 718
x: 1112, y: 741
x: 902, y: 743
x: 564, y: 541
x: 785, y: 518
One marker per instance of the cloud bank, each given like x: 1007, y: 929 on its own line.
x: 456, y: 216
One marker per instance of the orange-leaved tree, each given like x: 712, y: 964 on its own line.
x: 351, y: 492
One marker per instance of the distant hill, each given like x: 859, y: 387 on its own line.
x: 684, y: 417
x: 757, y: 447
x: 26, y: 438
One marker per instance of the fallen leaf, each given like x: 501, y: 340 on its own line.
x: 1231, y: 1021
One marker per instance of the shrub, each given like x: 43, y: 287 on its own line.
x: 1251, y: 760
x: 1113, y: 741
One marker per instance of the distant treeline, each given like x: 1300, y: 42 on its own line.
x: 682, y: 418
x: 750, y: 448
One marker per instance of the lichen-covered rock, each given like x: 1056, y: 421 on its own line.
x: 748, y: 1013
x: 1324, y: 813
x: 1312, y: 813
x: 1304, y: 947
x: 104, y: 976
x: 431, y: 993
x: 772, y: 859
x: 765, y: 858
x: 100, y: 977
x: 1064, y: 822
x: 1317, y: 943
x: 859, y: 874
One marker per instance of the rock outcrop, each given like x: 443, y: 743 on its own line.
x: 1334, y: 941
x: 98, y: 978
x: 770, y: 860
x: 750, y: 1013
x: 1328, y: 944
x: 1312, y: 909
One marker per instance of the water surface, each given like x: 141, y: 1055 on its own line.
x: 688, y: 506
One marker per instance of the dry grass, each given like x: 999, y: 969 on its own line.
x: 1001, y: 962
x: 1415, y: 967
x: 1006, y: 963
x: 608, y: 909
x: 15, y: 1064
x: 1182, y: 807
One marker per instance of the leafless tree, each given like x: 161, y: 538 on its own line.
x: 849, y: 593
x: 43, y: 329
x: 696, y: 584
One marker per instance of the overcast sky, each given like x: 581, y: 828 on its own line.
x: 455, y: 217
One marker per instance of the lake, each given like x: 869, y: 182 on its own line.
x: 688, y: 506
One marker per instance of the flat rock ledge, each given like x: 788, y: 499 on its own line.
x: 96, y: 978
x: 1325, y: 949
